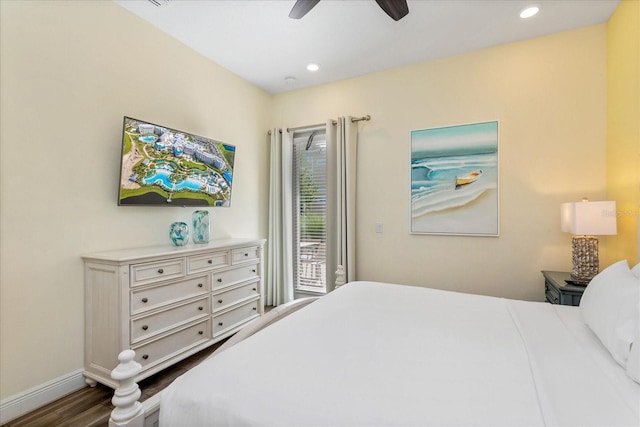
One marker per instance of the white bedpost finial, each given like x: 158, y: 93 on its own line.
x: 128, y: 411
x: 340, y: 277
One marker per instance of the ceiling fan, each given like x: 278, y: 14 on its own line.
x: 396, y: 9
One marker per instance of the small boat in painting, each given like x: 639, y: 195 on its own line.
x: 468, y: 178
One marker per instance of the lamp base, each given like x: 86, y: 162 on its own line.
x: 585, y: 258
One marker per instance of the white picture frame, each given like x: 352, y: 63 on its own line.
x: 454, y: 187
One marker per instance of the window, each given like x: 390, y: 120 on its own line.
x: 309, y: 211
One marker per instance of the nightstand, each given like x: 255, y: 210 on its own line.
x: 557, y: 291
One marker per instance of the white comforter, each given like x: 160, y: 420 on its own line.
x: 373, y: 354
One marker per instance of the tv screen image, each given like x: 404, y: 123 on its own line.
x: 164, y: 166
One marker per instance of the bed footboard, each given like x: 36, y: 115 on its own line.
x: 265, y: 320
x: 128, y: 410
x: 341, y: 277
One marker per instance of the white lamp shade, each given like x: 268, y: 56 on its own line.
x: 589, y: 218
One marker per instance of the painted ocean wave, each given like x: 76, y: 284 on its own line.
x: 433, y: 181
x: 455, y: 164
x: 447, y: 199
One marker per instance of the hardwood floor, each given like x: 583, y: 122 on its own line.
x: 91, y: 406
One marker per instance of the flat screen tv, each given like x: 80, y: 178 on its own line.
x: 162, y: 166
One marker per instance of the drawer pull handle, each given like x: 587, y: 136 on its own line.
x: 246, y: 254
x: 219, y: 301
x: 220, y: 323
x: 255, y: 308
x: 145, y: 356
x: 200, y: 308
x: 210, y: 261
x: 145, y: 327
x: 220, y: 280
x: 144, y: 300
x: 199, y: 285
x: 200, y: 332
x: 160, y: 271
x: 253, y: 270
x: 253, y: 289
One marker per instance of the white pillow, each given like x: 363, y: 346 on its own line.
x: 636, y: 270
x: 633, y: 364
x: 608, y: 307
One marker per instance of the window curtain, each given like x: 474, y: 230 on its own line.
x: 279, y: 278
x: 342, y: 144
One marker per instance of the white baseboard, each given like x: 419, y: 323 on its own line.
x: 36, y: 397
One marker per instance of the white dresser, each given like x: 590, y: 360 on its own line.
x: 166, y: 302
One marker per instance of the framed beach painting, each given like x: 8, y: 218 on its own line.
x: 454, y: 180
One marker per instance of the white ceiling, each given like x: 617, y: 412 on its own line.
x: 256, y: 39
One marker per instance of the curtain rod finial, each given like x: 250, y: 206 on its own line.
x: 359, y: 119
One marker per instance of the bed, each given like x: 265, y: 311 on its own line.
x: 377, y: 354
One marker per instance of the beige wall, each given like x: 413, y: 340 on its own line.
x: 70, y: 72
x: 623, y: 128
x: 549, y: 95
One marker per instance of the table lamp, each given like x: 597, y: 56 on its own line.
x: 585, y: 220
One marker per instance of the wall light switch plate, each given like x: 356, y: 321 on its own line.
x: 378, y: 227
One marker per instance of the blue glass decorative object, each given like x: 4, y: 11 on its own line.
x: 201, y: 227
x: 179, y: 233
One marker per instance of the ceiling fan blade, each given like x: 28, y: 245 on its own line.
x: 301, y: 8
x: 396, y: 9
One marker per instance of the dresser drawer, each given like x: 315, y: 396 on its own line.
x: 250, y: 253
x: 145, y: 299
x: 208, y: 261
x: 155, y: 352
x: 148, y: 326
x: 235, y: 295
x: 237, y: 275
x: 143, y: 274
x: 236, y: 317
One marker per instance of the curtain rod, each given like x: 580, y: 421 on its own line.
x: 333, y: 122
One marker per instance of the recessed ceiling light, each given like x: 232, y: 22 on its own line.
x: 313, y: 67
x: 289, y: 80
x: 529, y: 12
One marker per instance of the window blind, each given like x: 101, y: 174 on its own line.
x: 310, y: 210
